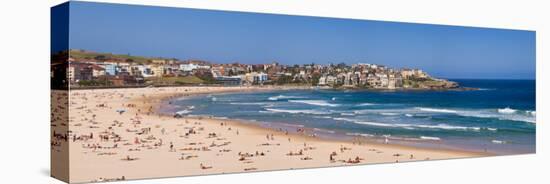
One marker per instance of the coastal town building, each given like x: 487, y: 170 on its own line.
x: 119, y: 71
x: 323, y: 81
x: 156, y: 70
x: 110, y: 69
x: 97, y: 70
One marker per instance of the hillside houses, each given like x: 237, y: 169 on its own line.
x: 141, y: 71
x: 365, y: 76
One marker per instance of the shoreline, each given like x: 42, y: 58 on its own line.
x: 118, y: 134
x: 254, y: 124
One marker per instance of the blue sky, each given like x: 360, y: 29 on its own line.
x: 223, y: 37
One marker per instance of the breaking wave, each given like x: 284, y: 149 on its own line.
x: 315, y: 102
x: 279, y: 97
x: 297, y: 111
x: 324, y: 130
x: 360, y: 134
x: 389, y: 113
x: 409, y: 126
x: 507, y: 110
x: 365, y: 104
x: 501, y: 114
x: 430, y: 138
x: 249, y: 103
x: 183, y: 112
x: 436, y: 110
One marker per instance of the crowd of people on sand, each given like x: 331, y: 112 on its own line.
x: 184, y: 157
x: 269, y: 144
x: 107, y: 141
x: 143, y: 132
x: 58, y: 118
x: 243, y: 156
x: 356, y: 160
x: 300, y: 152
x: 96, y: 146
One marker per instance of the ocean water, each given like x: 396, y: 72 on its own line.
x: 499, y: 118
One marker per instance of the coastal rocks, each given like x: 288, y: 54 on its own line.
x: 438, y: 84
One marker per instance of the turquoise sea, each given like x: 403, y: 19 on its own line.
x: 499, y: 118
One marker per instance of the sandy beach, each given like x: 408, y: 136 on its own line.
x: 117, y: 134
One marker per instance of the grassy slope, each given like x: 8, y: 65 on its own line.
x: 82, y: 55
x: 178, y: 80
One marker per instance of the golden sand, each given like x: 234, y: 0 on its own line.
x: 116, y: 134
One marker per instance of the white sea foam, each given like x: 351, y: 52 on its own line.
x: 365, y: 104
x: 492, y: 129
x: 323, y: 130
x: 183, y: 112
x: 324, y: 117
x: 430, y: 138
x: 525, y: 116
x: 389, y: 112
x: 532, y: 113
x: 519, y: 118
x: 296, y: 111
x: 347, y: 114
x: 268, y: 105
x: 502, y: 114
x: 448, y: 127
x: 293, y: 125
x: 274, y: 98
x: 344, y: 119
x: 380, y: 111
x: 249, y: 103
x: 360, y: 134
x: 376, y: 124
x: 507, y: 110
x: 409, y: 126
x: 315, y: 102
x: 436, y: 110
x: 366, y: 122
x: 220, y: 117
x: 498, y: 142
